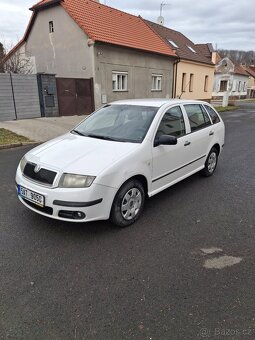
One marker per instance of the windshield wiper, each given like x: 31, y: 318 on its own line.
x: 78, y: 132
x: 101, y: 137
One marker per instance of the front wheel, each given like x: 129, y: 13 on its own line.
x: 211, y: 163
x: 128, y: 203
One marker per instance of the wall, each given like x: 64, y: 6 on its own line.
x: 140, y: 67
x: 65, y: 52
x: 233, y: 81
x: 199, y: 71
x: 7, y: 111
x: 19, y: 92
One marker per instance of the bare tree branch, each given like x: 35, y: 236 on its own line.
x: 17, y: 62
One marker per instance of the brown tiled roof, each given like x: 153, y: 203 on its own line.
x: 206, y: 49
x: 239, y: 69
x: 106, y: 24
x: 181, y: 41
x: 43, y: 3
x: 250, y: 70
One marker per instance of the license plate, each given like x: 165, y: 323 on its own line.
x: 31, y: 196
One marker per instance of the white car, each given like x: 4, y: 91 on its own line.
x: 117, y: 157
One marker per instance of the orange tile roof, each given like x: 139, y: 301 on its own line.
x: 106, y: 24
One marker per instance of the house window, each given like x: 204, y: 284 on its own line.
x: 191, y: 49
x: 173, y: 43
x: 234, y: 86
x: 119, y: 81
x: 239, y: 86
x: 244, y: 86
x: 184, y: 82
x: 206, y: 84
x: 156, y: 82
x: 51, y: 27
x: 223, y: 85
x: 191, y: 81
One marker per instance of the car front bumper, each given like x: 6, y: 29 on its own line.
x: 93, y: 203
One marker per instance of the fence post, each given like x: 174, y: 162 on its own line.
x: 13, y: 96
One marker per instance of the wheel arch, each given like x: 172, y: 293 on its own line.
x: 217, y: 147
x: 142, y: 179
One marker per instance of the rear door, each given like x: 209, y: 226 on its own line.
x: 200, y: 134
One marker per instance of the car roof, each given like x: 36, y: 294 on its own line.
x: 156, y: 102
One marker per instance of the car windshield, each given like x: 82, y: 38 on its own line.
x: 121, y: 123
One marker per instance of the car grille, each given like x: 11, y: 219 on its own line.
x: 43, y: 175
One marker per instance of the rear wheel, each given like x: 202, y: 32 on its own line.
x: 210, y: 163
x: 128, y: 203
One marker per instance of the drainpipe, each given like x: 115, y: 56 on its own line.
x: 175, y: 77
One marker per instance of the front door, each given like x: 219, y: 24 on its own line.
x: 168, y: 160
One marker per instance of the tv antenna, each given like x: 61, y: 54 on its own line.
x: 161, y: 18
x: 162, y: 5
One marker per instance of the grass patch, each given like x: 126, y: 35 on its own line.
x: 8, y: 137
x: 227, y: 108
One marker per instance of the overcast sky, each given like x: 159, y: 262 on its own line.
x: 228, y: 24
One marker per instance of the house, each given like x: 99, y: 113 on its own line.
x: 251, y: 83
x: 97, y: 53
x: 194, y: 72
x: 229, y: 77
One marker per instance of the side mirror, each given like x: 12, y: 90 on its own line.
x: 165, y: 140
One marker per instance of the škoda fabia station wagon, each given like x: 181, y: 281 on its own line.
x: 121, y: 154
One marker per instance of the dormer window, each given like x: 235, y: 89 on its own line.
x: 173, y: 43
x: 51, y: 27
x: 191, y: 49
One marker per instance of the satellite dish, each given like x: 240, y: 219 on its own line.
x: 160, y: 20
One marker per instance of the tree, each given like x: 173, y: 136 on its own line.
x: 18, y: 61
x: 2, y: 54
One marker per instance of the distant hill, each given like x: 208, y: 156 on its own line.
x: 241, y: 57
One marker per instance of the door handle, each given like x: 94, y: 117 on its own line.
x: 211, y: 133
x: 187, y: 143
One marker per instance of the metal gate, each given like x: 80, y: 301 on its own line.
x: 75, y: 96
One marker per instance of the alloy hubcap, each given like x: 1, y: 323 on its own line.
x: 131, y: 204
x: 212, y: 161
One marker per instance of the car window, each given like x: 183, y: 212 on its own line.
x: 215, y: 118
x: 172, y: 123
x: 198, y: 118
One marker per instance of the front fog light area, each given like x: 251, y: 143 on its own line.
x: 72, y: 215
x: 76, y: 181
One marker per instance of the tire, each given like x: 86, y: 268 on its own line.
x: 128, y: 204
x: 210, y: 163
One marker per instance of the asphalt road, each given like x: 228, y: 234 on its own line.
x: 149, y: 281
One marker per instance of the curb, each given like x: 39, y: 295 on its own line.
x: 15, y: 145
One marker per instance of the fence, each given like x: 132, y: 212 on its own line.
x: 19, y: 97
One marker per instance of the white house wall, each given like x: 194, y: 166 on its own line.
x: 233, y: 85
x: 64, y: 52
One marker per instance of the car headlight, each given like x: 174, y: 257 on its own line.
x: 22, y: 164
x: 75, y: 181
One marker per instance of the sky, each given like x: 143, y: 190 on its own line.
x: 228, y: 24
